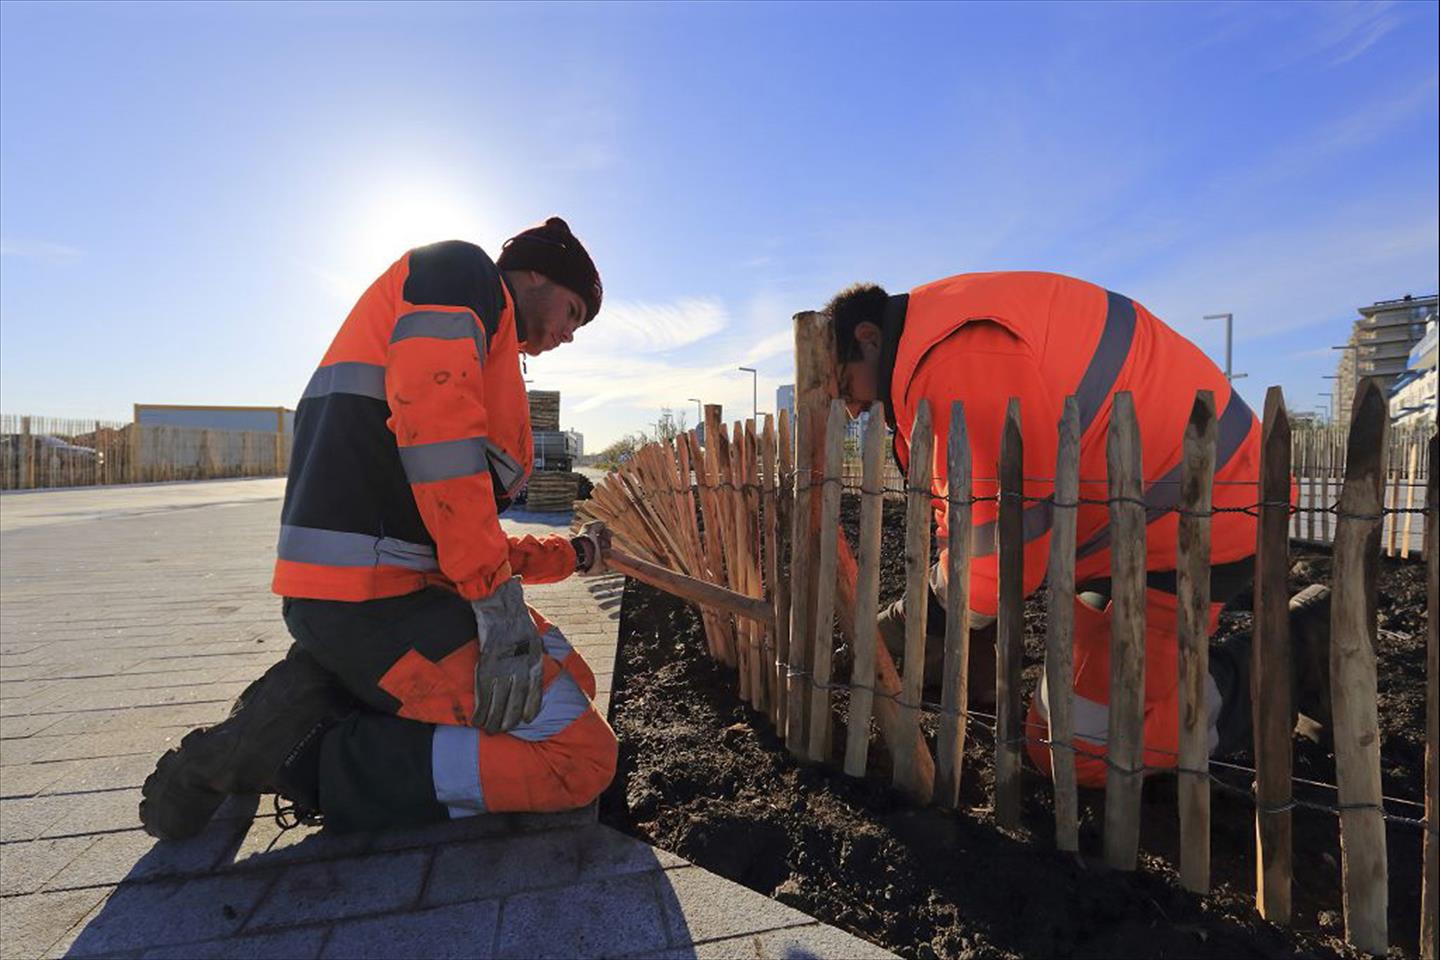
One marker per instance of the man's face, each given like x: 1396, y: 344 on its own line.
x: 552, y: 314
x: 859, y: 379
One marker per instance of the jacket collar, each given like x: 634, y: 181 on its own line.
x: 520, y: 331
x: 891, y: 327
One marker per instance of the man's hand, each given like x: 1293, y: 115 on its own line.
x: 591, y: 544
x: 507, y: 676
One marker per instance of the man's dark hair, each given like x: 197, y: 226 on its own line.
x: 856, y: 304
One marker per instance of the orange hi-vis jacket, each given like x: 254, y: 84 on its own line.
x: 410, y: 438
x: 986, y: 337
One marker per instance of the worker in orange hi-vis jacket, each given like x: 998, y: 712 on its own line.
x: 420, y: 685
x: 984, y: 338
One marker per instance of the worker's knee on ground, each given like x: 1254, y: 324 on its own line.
x: 562, y: 772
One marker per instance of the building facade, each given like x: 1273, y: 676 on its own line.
x: 1379, y: 346
x: 1413, y: 394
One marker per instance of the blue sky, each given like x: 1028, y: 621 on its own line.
x: 191, y: 197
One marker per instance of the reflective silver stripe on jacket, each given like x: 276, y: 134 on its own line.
x: 1163, y: 495
x: 429, y: 462
x: 448, y: 459
x: 1095, y: 385
x: 336, y: 548
x: 455, y: 769
x: 361, y: 379
x: 441, y: 325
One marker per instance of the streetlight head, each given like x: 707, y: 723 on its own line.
x: 1218, y: 316
x: 747, y: 369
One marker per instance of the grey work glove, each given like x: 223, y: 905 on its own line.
x: 591, y: 543
x: 507, y: 676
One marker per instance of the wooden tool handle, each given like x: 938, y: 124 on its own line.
x: 688, y: 588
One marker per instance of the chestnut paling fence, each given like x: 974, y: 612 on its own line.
x: 747, y: 528
x: 41, y: 452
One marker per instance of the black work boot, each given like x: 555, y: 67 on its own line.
x: 1310, y: 653
x: 276, y: 716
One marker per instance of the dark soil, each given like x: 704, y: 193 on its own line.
x: 705, y: 777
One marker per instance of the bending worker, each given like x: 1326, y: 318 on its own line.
x: 420, y: 685
x: 984, y: 338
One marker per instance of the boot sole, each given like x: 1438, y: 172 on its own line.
x: 170, y: 810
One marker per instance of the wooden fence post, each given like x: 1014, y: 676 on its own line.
x: 1270, y: 668
x: 1124, y: 775
x: 1352, y: 674
x: 1327, y: 465
x: 955, y: 691
x: 815, y: 387
x: 1410, y: 477
x: 825, y: 584
x: 784, y: 522
x: 917, y: 586
x: 1310, y: 459
x: 1197, y: 474
x: 867, y: 596
x: 1430, y: 884
x: 1060, y: 629
x: 27, y: 456
x: 772, y: 563
x: 1010, y: 621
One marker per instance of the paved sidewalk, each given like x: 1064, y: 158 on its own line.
x: 127, y: 615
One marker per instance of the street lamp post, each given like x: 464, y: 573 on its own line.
x: 754, y: 390
x: 1330, y: 411
x: 699, y: 410
x: 1229, y: 319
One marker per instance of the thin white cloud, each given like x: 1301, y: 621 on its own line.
x: 657, y: 327
x: 39, y: 249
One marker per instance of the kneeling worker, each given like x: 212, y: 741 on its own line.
x: 420, y: 685
x: 984, y: 338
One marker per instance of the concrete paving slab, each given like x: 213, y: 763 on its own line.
x: 122, y: 624
x: 462, y: 930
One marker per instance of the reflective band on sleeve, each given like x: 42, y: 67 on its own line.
x: 562, y: 703
x: 1090, y: 719
x: 439, y: 325
x: 1035, y: 522
x: 455, y: 769
x: 429, y: 462
x: 336, y: 548
x: 555, y: 644
x: 1095, y: 385
x: 1109, y: 356
x: 361, y: 379
x: 1163, y: 495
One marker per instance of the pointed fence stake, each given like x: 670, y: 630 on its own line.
x: 1197, y: 474
x: 954, y: 696
x: 1010, y: 621
x: 1060, y: 630
x: 1353, y: 687
x: 1124, y: 775
x: 824, y: 653
x: 1271, y: 671
x: 917, y: 585
x: 867, y: 596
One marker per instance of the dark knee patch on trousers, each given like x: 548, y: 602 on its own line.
x: 375, y: 772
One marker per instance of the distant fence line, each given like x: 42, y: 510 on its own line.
x: 41, y: 452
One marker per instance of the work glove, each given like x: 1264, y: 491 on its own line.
x: 507, y: 676
x: 591, y: 544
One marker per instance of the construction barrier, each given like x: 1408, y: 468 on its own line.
x: 747, y: 527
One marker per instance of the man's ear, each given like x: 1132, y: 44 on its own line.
x: 867, y: 333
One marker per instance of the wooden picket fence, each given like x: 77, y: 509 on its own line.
x: 42, y: 452
x: 750, y: 533
x: 1317, y: 459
